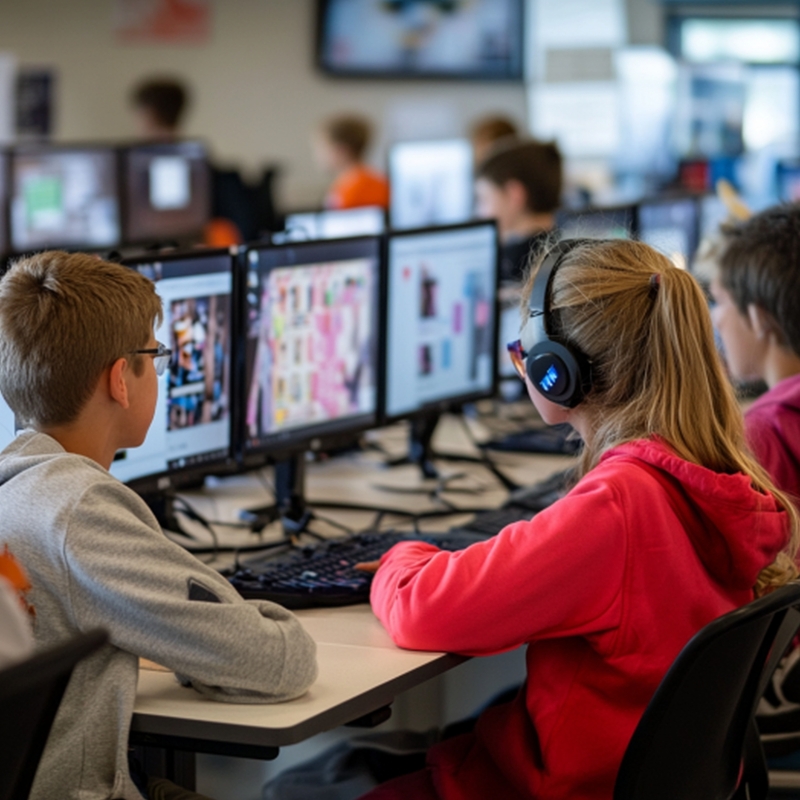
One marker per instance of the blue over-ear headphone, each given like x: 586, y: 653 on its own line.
x: 558, y: 371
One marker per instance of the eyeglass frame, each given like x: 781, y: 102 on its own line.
x: 161, y: 356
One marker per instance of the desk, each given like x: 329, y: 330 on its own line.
x: 361, y: 670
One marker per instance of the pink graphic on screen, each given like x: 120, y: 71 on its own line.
x: 315, y: 338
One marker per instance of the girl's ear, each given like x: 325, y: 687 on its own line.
x: 117, y: 383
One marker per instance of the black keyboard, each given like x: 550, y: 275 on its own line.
x: 557, y: 439
x: 322, y: 574
x: 521, y: 505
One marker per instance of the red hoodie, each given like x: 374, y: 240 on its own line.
x: 606, y: 586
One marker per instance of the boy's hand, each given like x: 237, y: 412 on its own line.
x: 368, y: 566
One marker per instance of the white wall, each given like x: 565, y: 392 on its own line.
x: 257, y: 92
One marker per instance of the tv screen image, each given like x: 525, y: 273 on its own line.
x: 421, y: 38
x: 192, y: 422
x: 64, y: 197
x: 440, y: 340
x: 312, y: 332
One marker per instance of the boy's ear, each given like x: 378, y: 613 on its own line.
x: 761, y: 321
x: 117, y: 384
x: 516, y: 192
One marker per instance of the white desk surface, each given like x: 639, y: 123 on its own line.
x: 360, y: 669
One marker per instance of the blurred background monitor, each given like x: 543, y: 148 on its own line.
x: 191, y: 433
x: 167, y: 191
x: 443, y: 39
x: 596, y: 223
x: 788, y: 180
x: 441, y: 326
x: 332, y: 224
x: 7, y: 424
x: 712, y: 214
x: 431, y: 183
x: 671, y: 226
x: 63, y: 196
x: 4, y: 243
x: 311, y: 343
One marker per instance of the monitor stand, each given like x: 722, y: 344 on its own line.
x: 422, y: 453
x: 295, y: 513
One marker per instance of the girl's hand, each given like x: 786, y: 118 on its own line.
x: 368, y: 566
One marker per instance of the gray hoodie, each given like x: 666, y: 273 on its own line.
x: 96, y: 556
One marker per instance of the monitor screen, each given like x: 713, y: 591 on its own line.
x: 64, y: 197
x: 7, y: 424
x: 441, y: 337
x: 431, y: 183
x: 671, y: 226
x: 597, y: 223
x: 167, y: 191
x: 191, y: 429
x: 4, y: 243
x: 333, y: 224
x: 713, y: 214
x: 311, y: 342
x: 397, y: 38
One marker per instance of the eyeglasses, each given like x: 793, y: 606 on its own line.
x: 161, y: 356
x: 518, y: 356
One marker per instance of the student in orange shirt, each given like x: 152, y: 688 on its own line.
x: 339, y: 147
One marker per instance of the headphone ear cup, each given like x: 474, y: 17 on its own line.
x: 555, y: 372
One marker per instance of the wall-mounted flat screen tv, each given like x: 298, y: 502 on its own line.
x: 477, y: 39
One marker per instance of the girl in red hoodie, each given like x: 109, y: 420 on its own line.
x: 671, y: 525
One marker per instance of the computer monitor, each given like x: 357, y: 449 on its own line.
x: 332, y: 224
x: 615, y: 222
x: 63, y: 196
x: 787, y: 174
x: 431, y: 183
x: 441, y: 321
x: 4, y: 243
x: 671, y: 226
x: 167, y: 191
x: 7, y: 424
x: 311, y: 344
x: 191, y: 432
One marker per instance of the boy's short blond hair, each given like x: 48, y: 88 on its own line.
x: 64, y: 318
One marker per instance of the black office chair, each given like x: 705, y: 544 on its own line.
x: 697, y: 739
x: 30, y: 693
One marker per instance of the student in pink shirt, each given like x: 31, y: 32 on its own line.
x: 671, y: 524
x: 756, y: 292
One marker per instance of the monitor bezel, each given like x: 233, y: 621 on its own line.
x: 194, y: 474
x: 325, y: 435
x: 184, y: 239
x: 61, y: 147
x: 454, y: 402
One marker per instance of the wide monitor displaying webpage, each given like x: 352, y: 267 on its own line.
x: 440, y: 341
x: 431, y: 183
x: 312, y: 341
x: 191, y: 428
x: 64, y: 197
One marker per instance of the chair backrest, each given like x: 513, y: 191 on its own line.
x: 30, y: 693
x: 690, y: 741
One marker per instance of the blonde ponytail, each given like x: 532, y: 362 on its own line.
x: 644, y: 325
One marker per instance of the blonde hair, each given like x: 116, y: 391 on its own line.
x: 655, y: 367
x: 64, y: 318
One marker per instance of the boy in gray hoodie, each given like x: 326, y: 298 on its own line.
x: 79, y: 364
